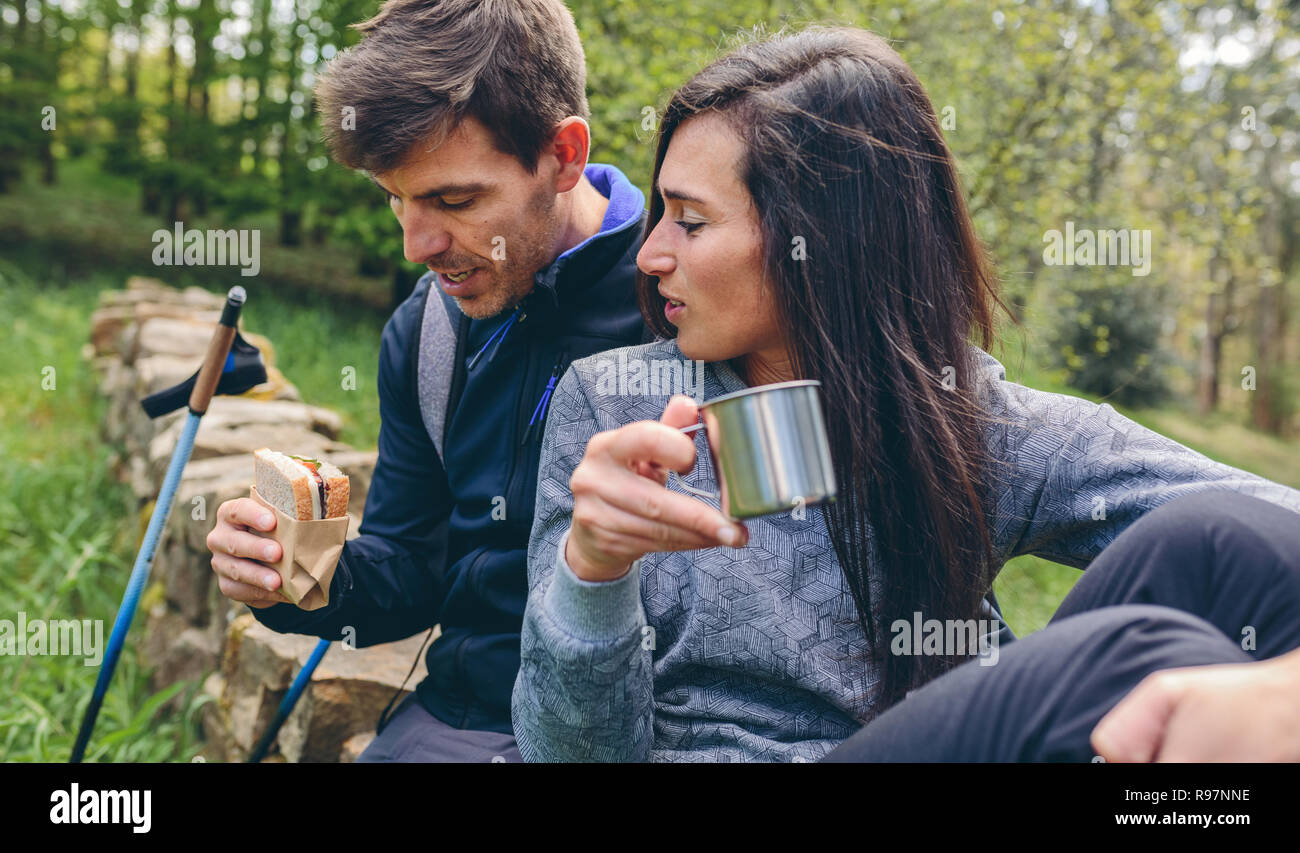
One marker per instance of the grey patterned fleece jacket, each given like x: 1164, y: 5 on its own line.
x: 755, y: 653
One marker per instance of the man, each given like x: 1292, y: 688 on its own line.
x: 469, y: 116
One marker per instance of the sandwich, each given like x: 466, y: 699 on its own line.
x: 302, y: 488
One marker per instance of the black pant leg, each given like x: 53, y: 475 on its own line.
x: 1046, y: 692
x: 1229, y: 558
x: 1188, y: 584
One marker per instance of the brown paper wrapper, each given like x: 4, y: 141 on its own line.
x: 310, y: 553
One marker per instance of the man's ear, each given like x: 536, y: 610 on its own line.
x: 570, y: 146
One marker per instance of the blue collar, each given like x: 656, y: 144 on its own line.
x: 592, y: 257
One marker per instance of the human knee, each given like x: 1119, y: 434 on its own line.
x: 1133, y: 632
x: 1192, y: 525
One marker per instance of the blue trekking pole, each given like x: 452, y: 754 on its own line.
x: 231, y: 366
x: 286, y: 704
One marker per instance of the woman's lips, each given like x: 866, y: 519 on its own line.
x: 673, y: 308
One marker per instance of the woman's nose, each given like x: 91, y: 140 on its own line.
x: 654, y: 257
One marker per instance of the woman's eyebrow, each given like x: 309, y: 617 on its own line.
x: 681, y: 195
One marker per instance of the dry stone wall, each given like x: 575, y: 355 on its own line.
x: 148, y: 337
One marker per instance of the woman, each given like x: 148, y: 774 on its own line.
x: 807, y: 222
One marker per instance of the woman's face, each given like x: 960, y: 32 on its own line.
x: 707, y: 249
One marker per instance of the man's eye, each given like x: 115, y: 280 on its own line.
x: 689, y: 227
x: 460, y: 205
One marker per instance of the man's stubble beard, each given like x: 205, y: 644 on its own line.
x: 514, y: 278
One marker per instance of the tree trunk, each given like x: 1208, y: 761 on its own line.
x: 1270, y: 408
x: 262, y: 126
x: 1219, y: 323
x: 1266, y: 403
x: 50, y: 61
x: 1207, y: 392
x: 171, y: 78
x: 290, y: 209
x: 205, y: 24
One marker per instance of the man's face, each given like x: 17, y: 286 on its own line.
x: 465, y: 207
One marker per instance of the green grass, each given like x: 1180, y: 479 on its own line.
x: 313, y: 335
x: 68, y: 533
x: 86, y: 233
x: 89, y: 213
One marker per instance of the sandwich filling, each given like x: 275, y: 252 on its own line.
x: 318, y: 502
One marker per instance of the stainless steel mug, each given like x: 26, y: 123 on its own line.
x: 769, y: 449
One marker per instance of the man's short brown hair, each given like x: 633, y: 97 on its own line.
x: 423, y: 65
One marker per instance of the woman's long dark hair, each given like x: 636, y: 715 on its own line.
x: 877, y: 271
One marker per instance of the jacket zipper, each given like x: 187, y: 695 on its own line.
x: 518, y: 419
x: 537, y: 425
x: 499, y: 335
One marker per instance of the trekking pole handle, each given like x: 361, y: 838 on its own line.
x: 214, y: 361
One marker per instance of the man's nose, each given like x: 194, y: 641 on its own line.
x: 423, y: 237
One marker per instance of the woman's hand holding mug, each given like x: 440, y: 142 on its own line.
x: 622, y: 509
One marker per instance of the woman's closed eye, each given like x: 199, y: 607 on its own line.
x: 689, y: 227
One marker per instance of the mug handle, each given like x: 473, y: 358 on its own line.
x: 672, y: 475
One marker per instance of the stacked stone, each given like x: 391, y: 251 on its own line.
x: 149, y: 337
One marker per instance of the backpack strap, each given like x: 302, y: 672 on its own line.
x: 459, y: 372
x: 439, y: 359
x: 437, y: 362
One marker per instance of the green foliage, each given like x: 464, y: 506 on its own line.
x: 1106, y: 339
x: 1052, y: 109
x: 121, y: 151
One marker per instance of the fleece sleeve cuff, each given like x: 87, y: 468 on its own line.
x: 594, y: 611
